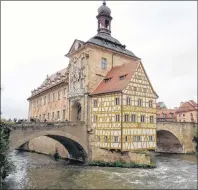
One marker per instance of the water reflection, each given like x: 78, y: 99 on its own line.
x: 39, y: 171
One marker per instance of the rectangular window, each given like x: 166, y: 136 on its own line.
x: 48, y: 116
x: 48, y: 98
x: 63, y: 115
x: 150, y: 138
x: 98, y: 138
x: 117, y: 118
x: 82, y: 83
x: 134, y: 88
x: 126, y: 117
x: 58, y: 115
x: 74, y: 85
x: 105, y: 139
x: 82, y: 62
x: 115, y: 139
x: 103, y: 63
x: 95, y: 118
x: 65, y: 92
x: 44, y: 102
x: 150, y: 104
x: 128, y: 101
x: 151, y: 119
x: 126, y: 138
x: 59, y: 95
x: 139, y: 102
x: 142, y: 118
x: 117, y: 101
x: 136, y: 138
x: 133, y: 118
x: 95, y: 103
x: 54, y: 97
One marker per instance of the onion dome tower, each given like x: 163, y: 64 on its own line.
x: 104, y: 19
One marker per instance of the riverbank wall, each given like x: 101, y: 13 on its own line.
x: 104, y: 155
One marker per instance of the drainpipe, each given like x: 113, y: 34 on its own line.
x: 121, y: 119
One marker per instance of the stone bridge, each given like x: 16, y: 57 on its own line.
x: 176, y: 137
x: 72, y: 135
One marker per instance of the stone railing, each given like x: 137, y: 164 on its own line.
x: 24, y: 125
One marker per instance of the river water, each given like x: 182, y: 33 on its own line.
x: 36, y: 171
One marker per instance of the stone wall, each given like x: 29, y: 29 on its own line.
x: 108, y: 156
x: 47, y: 145
x: 184, y: 132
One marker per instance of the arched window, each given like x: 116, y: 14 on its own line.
x: 107, y: 24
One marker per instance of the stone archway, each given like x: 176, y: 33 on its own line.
x: 76, y: 112
x: 167, y: 142
x: 76, y: 148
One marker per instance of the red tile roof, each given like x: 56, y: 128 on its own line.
x: 170, y: 113
x: 115, y: 84
x: 187, y: 106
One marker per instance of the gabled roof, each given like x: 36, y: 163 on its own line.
x: 71, y: 50
x: 187, y: 106
x: 115, y: 84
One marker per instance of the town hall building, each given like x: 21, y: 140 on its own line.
x: 106, y: 86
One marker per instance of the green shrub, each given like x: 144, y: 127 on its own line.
x: 4, y: 149
x: 120, y: 164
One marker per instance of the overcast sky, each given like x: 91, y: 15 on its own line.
x: 36, y: 36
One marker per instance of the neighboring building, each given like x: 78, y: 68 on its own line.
x: 161, y: 105
x: 49, y: 101
x: 104, y: 85
x: 187, y: 112
x: 166, y: 115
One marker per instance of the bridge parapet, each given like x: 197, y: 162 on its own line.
x: 26, y: 125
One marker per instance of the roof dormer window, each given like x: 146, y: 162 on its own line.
x: 107, y: 80
x: 123, y: 77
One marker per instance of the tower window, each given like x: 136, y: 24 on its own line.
x: 103, y: 63
x: 107, y: 24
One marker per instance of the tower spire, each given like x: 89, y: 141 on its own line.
x: 104, y: 19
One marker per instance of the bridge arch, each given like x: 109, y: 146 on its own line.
x: 75, y: 146
x: 168, y: 142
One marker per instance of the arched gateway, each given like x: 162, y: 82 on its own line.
x: 73, y: 136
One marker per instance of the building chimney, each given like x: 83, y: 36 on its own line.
x: 181, y: 103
